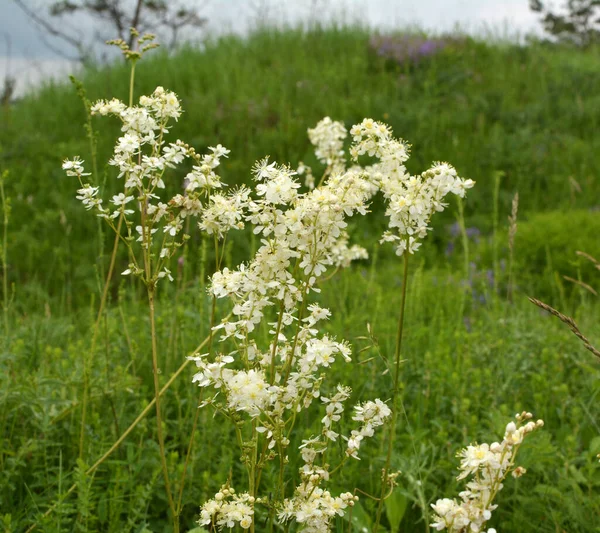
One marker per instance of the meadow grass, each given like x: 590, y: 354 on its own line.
x: 463, y: 375
x: 472, y: 359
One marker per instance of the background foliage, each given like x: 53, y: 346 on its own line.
x: 512, y: 117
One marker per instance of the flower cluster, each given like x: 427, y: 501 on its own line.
x: 372, y: 415
x: 228, y: 509
x: 328, y: 138
x: 313, y: 508
x: 142, y: 156
x: 411, y: 200
x: 302, y: 236
x: 488, y: 465
x: 334, y: 408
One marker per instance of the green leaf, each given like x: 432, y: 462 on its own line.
x: 577, y: 475
x: 361, y: 521
x: 198, y: 530
x: 395, y: 507
x: 595, y: 446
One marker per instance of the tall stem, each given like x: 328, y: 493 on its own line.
x: 131, y: 82
x: 161, y: 440
x: 5, y: 211
x: 275, y: 341
x: 252, y: 488
x: 90, y: 355
x: 197, y: 413
x: 388, y: 459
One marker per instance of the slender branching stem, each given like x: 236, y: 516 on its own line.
x: 275, y: 341
x: 90, y: 354
x: 252, y: 471
x: 161, y: 439
x: 392, y: 435
x: 197, y: 413
x: 6, y: 215
x: 131, y: 82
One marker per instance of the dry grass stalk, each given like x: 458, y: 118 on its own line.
x: 589, y: 258
x: 581, y: 284
x: 512, y: 220
x: 512, y: 231
x: 574, y: 184
x: 569, y: 322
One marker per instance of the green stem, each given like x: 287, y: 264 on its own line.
x: 197, y: 413
x: 161, y: 440
x: 388, y: 459
x: 275, y: 341
x: 86, y: 369
x: 90, y: 355
x: 131, y: 82
x: 5, y: 211
x: 252, y: 488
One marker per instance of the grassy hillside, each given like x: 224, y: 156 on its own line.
x: 529, y: 113
x: 514, y: 118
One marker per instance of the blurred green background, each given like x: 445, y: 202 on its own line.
x: 513, y: 117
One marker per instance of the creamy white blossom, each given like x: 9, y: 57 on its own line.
x: 411, y: 200
x: 328, y: 138
x: 142, y: 157
x: 228, y: 509
x: 487, y: 465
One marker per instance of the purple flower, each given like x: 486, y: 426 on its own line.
x: 409, y: 48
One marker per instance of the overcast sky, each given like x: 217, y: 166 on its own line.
x: 24, y: 55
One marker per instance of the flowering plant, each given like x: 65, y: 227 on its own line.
x: 488, y: 465
x: 262, y: 387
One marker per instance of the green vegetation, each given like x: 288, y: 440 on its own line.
x: 513, y: 118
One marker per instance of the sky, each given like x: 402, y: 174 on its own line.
x: 25, y: 56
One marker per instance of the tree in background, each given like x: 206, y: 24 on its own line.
x: 8, y: 83
x: 110, y: 18
x: 578, y: 24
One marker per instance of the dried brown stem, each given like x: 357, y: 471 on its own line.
x: 569, y: 322
x: 581, y: 284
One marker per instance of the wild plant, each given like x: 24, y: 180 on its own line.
x: 149, y: 225
x: 487, y: 465
x: 142, y: 44
x: 263, y: 386
x: 411, y: 202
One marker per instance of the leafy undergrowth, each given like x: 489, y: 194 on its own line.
x: 470, y: 363
x: 516, y: 118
